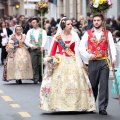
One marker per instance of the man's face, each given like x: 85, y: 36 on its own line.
x: 22, y: 18
x: 97, y: 22
x: 35, y: 24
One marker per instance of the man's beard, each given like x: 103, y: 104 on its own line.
x: 98, y: 26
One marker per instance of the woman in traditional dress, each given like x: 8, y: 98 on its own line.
x: 68, y: 87
x: 18, y: 63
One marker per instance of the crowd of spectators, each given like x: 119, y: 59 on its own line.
x: 51, y: 25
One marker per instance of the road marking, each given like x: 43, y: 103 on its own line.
x: 15, y: 105
x: 1, y: 91
x: 24, y: 114
x: 7, y: 98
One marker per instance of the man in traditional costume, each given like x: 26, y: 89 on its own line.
x: 94, y: 46
x: 36, y: 39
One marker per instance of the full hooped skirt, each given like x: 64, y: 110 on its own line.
x: 68, y: 89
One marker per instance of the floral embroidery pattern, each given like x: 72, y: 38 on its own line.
x: 45, y: 91
x: 97, y: 47
x: 69, y: 90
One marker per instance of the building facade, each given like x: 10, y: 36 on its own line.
x: 75, y: 8
x: 3, y: 8
x: 12, y: 10
x: 70, y: 8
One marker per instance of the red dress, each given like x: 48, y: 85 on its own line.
x: 60, y: 49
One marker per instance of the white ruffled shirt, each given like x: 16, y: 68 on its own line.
x: 5, y: 39
x: 36, y: 33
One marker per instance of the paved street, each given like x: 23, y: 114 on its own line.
x: 21, y: 102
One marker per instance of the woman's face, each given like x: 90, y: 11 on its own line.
x: 68, y: 26
x: 18, y: 30
x: 3, y: 24
x: 74, y: 22
x: 81, y: 22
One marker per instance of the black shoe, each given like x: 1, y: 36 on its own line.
x: 36, y: 81
x: 103, y: 112
x: 18, y: 81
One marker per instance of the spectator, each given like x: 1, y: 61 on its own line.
x: 58, y: 21
x: 118, y: 37
x: 53, y: 22
x: 89, y: 22
x: 76, y: 28
x: 4, y: 35
x: 118, y: 22
x: 28, y: 26
x: 61, y: 16
x: 48, y: 27
x: 114, y: 26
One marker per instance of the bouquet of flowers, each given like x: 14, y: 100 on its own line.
x: 51, y: 63
x: 100, y: 5
x: 41, y: 7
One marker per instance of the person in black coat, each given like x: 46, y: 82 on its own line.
x: 4, y: 35
x: 28, y: 26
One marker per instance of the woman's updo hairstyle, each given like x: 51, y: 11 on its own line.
x: 63, y: 22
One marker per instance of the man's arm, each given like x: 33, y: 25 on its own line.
x: 112, y: 47
x: 44, y: 40
x: 27, y: 40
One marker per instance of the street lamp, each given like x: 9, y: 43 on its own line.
x: 17, y: 6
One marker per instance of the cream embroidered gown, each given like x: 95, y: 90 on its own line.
x: 18, y: 63
x: 68, y: 89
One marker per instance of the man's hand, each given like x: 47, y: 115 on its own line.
x: 4, y: 36
x: 34, y: 47
x: 113, y: 63
x: 42, y: 49
x: 93, y: 57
